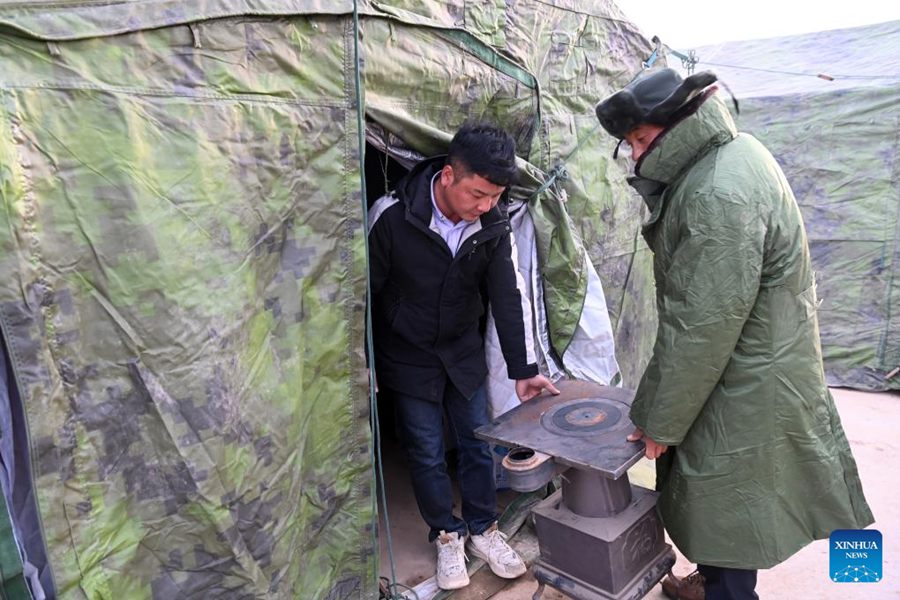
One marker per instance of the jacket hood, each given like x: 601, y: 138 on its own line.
x: 413, y: 190
x: 685, y: 141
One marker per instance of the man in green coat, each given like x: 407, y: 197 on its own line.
x: 752, y: 461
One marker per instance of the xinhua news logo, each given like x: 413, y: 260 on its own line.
x: 855, y: 556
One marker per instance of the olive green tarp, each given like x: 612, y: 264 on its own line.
x: 837, y: 137
x: 182, y: 267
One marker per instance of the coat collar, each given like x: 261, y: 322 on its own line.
x: 683, y: 143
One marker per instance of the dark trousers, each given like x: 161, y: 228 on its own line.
x: 420, y: 429
x: 728, y: 584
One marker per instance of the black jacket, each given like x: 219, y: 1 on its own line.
x: 427, y: 304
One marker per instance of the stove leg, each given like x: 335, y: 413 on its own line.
x: 538, y: 592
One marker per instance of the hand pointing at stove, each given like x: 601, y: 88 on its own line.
x: 526, y: 389
x: 652, y: 450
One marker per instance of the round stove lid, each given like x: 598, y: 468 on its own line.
x: 584, y: 417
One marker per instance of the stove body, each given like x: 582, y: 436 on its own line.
x: 600, y: 537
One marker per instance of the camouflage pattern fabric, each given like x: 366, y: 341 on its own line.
x: 182, y: 267
x: 182, y: 261
x: 850, y: 208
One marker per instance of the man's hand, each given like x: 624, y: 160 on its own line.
x: 526, y: 389
x: 652, y: 450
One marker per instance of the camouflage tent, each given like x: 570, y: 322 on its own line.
x: 828, y: 106
x: 183, y: 403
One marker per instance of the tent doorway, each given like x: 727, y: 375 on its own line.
x: 413, y: 559
x: 413, y: 556
x: 382, y: 173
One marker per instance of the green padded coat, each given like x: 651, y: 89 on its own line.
x: 758, y: 464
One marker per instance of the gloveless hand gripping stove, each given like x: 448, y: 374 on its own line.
x: 599, y: 536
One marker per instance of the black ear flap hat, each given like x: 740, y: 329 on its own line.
x: 651, y: 97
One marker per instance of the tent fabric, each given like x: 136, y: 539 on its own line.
x: 837, y: 142
x: 182, y: 261
x: 66, y: 20
x: 590, y: 355
x: 501, y: 391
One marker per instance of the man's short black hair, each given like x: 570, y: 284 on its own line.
x: 485, y: 150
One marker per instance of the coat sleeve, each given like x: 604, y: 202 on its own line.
x: 511, y: 309
x: 704, y: 297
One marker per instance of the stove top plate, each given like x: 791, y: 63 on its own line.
x: 583, y: 427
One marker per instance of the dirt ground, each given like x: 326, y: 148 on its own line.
x: 872, y: 423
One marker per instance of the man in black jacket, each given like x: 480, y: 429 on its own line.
x: 434, y: 244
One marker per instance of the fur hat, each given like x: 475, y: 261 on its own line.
x: 651, y: 97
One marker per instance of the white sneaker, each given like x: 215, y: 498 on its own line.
x: 451, y: 561
x: 491, y: 547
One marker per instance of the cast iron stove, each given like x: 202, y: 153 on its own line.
x: 599, y: 536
